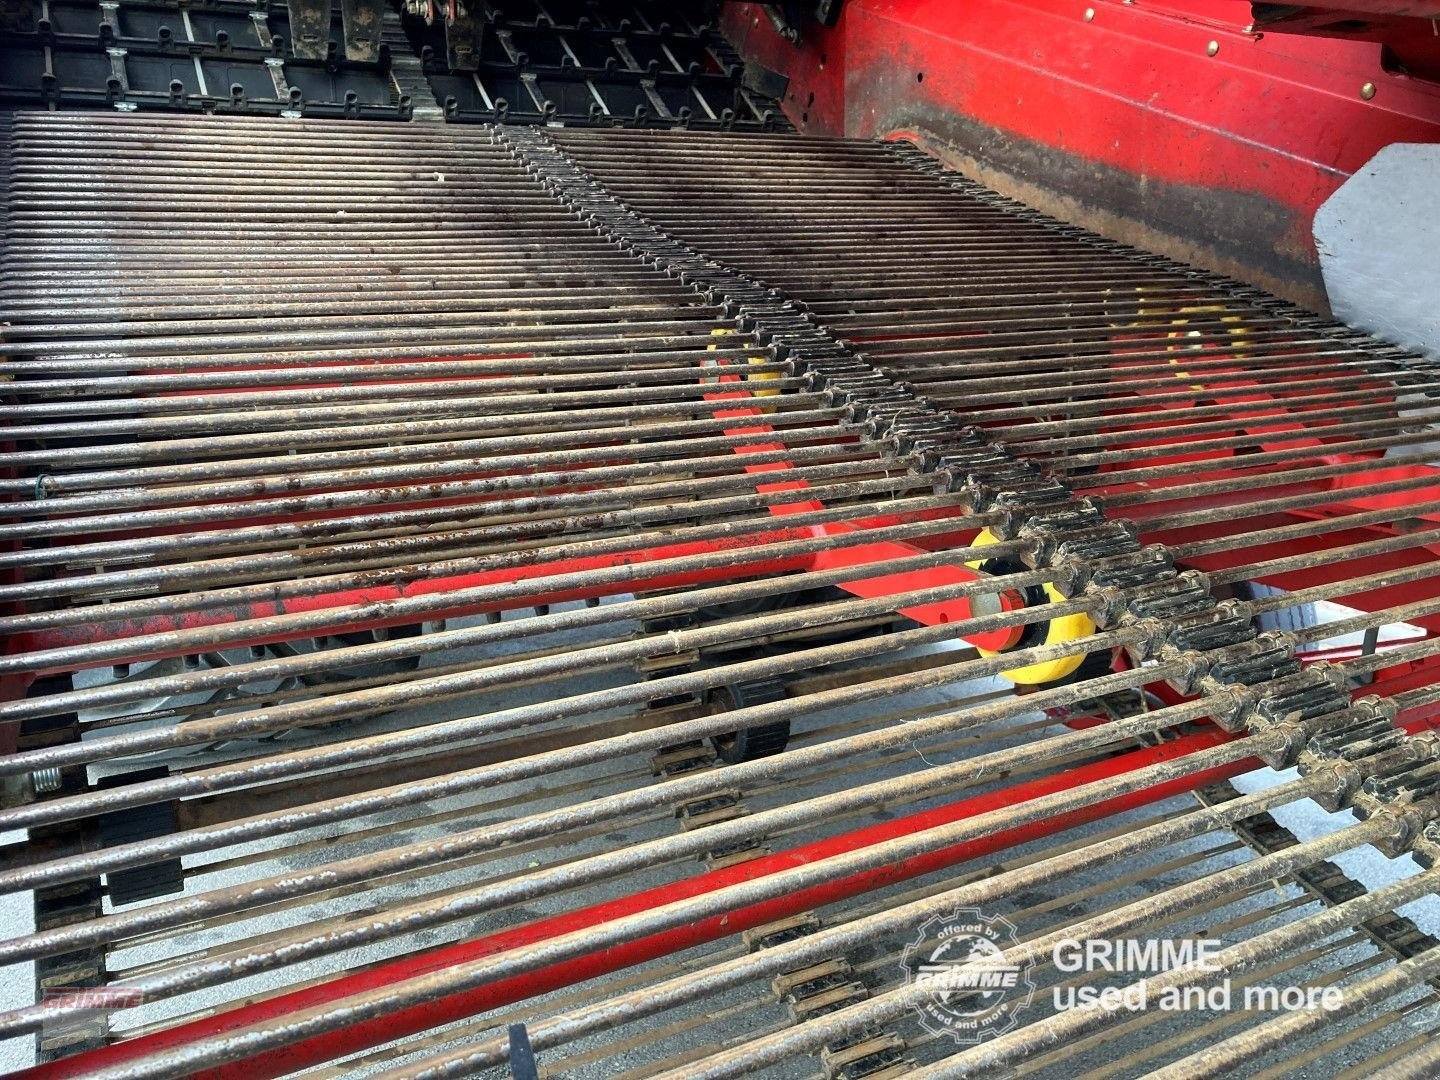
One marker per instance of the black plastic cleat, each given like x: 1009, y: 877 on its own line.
x: 747, y: 744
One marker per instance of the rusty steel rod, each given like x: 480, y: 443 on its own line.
x: 275, y: 388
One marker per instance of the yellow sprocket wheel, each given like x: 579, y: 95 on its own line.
x: 1051, y: 632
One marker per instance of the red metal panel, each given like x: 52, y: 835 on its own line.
x: 1116, y: 114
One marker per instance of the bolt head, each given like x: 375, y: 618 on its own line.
x: 1212, y: 48
x: 1089, y: 13
x: 1367, y: 91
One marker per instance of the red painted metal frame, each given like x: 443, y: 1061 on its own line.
x: 1125, y: 103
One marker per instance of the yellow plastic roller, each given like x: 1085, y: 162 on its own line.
x: 754, y: 360
x: 1051, y: 632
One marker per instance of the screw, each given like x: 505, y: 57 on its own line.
x: 1212, y: 48
x: 1367, y: 91
x: 1089, y: 13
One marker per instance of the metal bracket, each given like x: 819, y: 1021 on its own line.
x: 361, y: 22
x: 309, y: 28
x: 522, y: 1056
x: 463, y: 35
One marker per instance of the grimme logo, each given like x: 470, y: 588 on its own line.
x: 82, y: 1011
x: 972, y: 993
x: 68, y: 998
